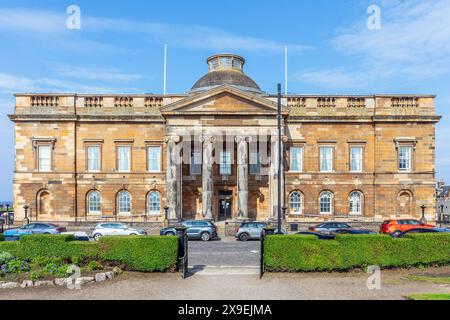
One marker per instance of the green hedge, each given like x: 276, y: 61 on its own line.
x: 307, y: 253
x: 135, y: 253
x: 144, y: 254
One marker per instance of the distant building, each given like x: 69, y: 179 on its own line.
x: 114, y: 156
x: 443, y: 201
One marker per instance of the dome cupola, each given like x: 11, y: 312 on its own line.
x: 226, y: 69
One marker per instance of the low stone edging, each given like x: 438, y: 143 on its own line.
x: 60, y: 282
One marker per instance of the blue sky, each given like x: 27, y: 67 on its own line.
x: 119, y: 48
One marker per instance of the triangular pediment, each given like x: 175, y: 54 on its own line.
x: 223, y: 100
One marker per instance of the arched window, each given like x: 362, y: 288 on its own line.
x: 94, y: 202
x: 154, y: 203
x: 355, y: 202
x: 326, y: 202
x: 124, y: 202
x: 295, y: 202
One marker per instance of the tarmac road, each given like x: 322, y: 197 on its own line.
x: 225, y: 252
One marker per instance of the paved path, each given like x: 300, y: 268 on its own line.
x: 330, y: 286
x: 224, y: 253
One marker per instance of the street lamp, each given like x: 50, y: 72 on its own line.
x: 7, y: 214
x: 423, y: 220
x: 279, y: 119
x: 441, y: 215
x: 166, y: 220
x: 26, y: 220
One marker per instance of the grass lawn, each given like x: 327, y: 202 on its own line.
x: 430, y: 296
x: 444, y: 280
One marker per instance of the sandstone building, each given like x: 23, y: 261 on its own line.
x: 92, y: 157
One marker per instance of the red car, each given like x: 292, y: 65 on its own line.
x: 396, y: 227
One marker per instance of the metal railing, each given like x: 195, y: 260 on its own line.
x: 183, y: 252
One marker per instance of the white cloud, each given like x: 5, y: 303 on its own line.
x: 185, y: 36
x: 95, y: 73
x: 414, y: 39
x: 332, y: 79
x: 412, y: 45
x: 10, y: 84
x: 32, y: 20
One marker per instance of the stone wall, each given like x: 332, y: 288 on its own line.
x: 72, y: 122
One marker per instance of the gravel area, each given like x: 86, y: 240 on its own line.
x: 307, y: 286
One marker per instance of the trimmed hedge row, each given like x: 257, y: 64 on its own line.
x: 307, y: 253
x: 145, y: 254
x: 136, y: 253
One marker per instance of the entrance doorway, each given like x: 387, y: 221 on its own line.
x: 225, y: 205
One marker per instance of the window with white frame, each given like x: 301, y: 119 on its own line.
x: 225, y: 163
x: 124, y: 158
x: 295, y: 203
x: 93, y: 161
x: 404, y: 158
x: 195, y: 167
x: 255, y: 163
x: 94, y: 202
x: 124, y: 202
x: 154, y: 203
x: 356, y: 159
x: 326, y: 159
x: 296, y: 159
x: 355, y: 205
x: 326, y: 203
x: 45, y: 158
x: 154, y: 159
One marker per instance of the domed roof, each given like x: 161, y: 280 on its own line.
x: 226, y: 69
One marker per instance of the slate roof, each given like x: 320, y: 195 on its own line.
x: 226, y: 77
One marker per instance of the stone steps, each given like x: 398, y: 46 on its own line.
x: 225, y: 270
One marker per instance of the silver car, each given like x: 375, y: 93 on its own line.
x: 114, y: 229
x: 250, y: 231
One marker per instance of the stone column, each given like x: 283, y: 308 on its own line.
x: 172, y: 164
x: 273, y: 176
x: 207, y: 178
x: 242, y: 177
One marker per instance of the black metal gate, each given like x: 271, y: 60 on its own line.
x: 183, y: 253
x: 261, y: 262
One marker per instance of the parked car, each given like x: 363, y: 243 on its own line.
x: 354, y: 231
x: 114, y: 229
x: 253, y: 231
x: 250, y: 231
x: 33, y: 228
x: 424, y: 230
x: 78, y: 236
x: 321, y: 236
x: 204, y: 230
x: 6, y: 217
x: 396, y: 227
x: 329, y: 227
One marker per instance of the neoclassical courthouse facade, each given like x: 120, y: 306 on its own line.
x: 212, y: 153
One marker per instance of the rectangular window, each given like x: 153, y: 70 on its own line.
x: 356, y: 159
x: 154, y: 159
x: 45, y: 158
x: 93, y: 163
x: 196, y: 164
x: 405, y: 157
x: 296, y: 159
x: 225, y: 163
x: 124, y: 158
x: 255, y: 163
x: 326, y: 159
